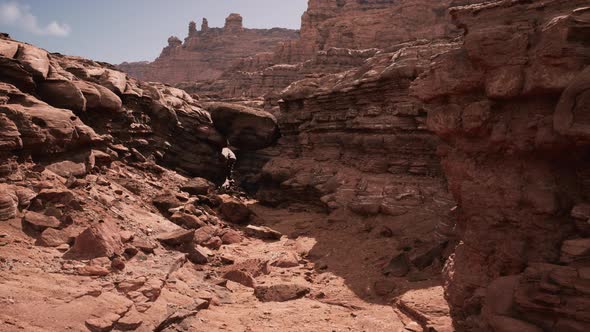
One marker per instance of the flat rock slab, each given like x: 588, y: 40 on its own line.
x: 263, y: 232
x: 428, y: 307
x: 246, y: 128
x: 40, y: 222
x: 281, y: 292
x: 177, y: 237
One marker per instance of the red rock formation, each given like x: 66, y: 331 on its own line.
x: 336, y: 35
x: 92, y: 105
x: 206, y: 54
x: 509, y: 103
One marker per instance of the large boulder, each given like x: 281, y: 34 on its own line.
x: 100, y: 240
x: 246, y: 128
x: 280, y: 292
x: 35, y: 60
x: 43, y: 128
x: 13, y: 72
x: 115, y: 81
x: 197, y: 186
x: 98, y: 97
x: 8, y: 48
x: 40, y: 222
x: 62, y: 94
x: 233, y: 210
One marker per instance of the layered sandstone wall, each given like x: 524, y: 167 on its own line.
x: 510, y: 104
x: 335, y: 36
x: 355, y: 145
x: 207, y: 53
x: 55, y: 108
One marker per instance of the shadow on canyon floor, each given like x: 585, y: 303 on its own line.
x: 358, y: 249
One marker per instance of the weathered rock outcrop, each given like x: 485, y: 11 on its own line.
x: 336, y: 35
x: 246, y: 128
x: 68, y: 105
x: 206, y: 54
x: 361, y: 121
x: 509, y: 103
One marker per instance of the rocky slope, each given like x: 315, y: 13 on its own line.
x: 207, y: 53
x: 509, y: 103
x: 104, y: 228
x: 463, y: 152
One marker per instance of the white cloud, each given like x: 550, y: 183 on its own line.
x: 19, y: 15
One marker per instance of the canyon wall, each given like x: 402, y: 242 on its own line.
x: 507, y: 101
x: 335, y: 36
x: 55, y: 107
x: 207, y: 53
x: 510, y: 104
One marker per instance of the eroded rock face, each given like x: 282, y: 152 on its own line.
x: 206, y: 54
x: 348, y: 138
x: 508, y: 103
x: 85, y: 105
x: 246, y: 128
x: 335, y: 36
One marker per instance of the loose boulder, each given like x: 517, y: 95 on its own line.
x: 280, y: 292
x: 62, y: 94
x: 100, y: 240
x: 234, y: 210
x: 39, y: 222
x: 197, y: 186
x: 263, y: 232
x: 246, y: 128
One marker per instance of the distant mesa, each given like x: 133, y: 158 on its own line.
x: 206, y: 53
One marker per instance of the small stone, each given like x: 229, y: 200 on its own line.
x: 130, y: 252
x: 263, y: 232
x: 56, y: 196
x: 8, y: 206
x: 197, y: 186
x: 187, y: 220
x: 177, y: 237
x: 213, y: 243
x: 131, y: 285
x: 199, y: 255
x: 63, y: 247
x: 68, y: 168
x: 240, y: 277
x: 118, y: 264
x: 130, y: 322
x: 231, y: 237
x: 286, y: 260
x: 103, y: 324
x: 145, y: 246
x: 234, y: 210
x: 126, y: 236
x: 54, y: 238
x: 280, y: 292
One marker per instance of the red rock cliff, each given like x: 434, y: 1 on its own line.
x: 335, y: 36
x: 510, y: 103
x: 206, y: 54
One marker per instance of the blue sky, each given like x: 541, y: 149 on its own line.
x: 131, y: 30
